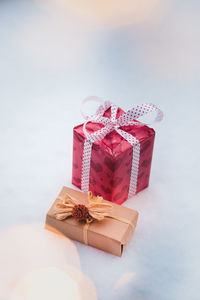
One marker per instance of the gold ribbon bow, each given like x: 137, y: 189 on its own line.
x: 96, y: 209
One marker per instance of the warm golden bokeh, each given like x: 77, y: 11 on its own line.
x: 46, y: 283
x: 109, y: 13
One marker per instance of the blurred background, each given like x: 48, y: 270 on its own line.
x: 53, y: 54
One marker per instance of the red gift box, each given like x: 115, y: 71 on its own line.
x: 110, y: 162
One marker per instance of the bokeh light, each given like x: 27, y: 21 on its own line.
x: 33, y: 258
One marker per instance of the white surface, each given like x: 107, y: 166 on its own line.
x: 51, y: 58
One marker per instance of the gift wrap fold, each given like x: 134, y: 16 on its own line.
x: 112, y: 152
x: 110, y: 233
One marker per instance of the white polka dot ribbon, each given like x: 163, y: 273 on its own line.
x: 110, y: 124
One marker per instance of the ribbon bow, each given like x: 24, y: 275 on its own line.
x: 96, y: 209
x: 128, y: 118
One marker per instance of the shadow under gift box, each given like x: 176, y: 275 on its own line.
x: 111, y: 160
x: 109, y: 235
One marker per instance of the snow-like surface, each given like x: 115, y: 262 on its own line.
x: 51, y: 58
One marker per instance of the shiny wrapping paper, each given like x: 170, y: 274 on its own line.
x: 109, y: 235
x: 111, y: 160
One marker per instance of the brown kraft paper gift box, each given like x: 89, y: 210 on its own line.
x: 109, y: 235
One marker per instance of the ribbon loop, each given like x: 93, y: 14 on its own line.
x: 91, y: 99
x: 129, y: 117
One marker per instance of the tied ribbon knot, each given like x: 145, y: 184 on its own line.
x: 96, y: 209
x: 113, y: 123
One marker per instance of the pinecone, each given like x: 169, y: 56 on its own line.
x: 80, y: 212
